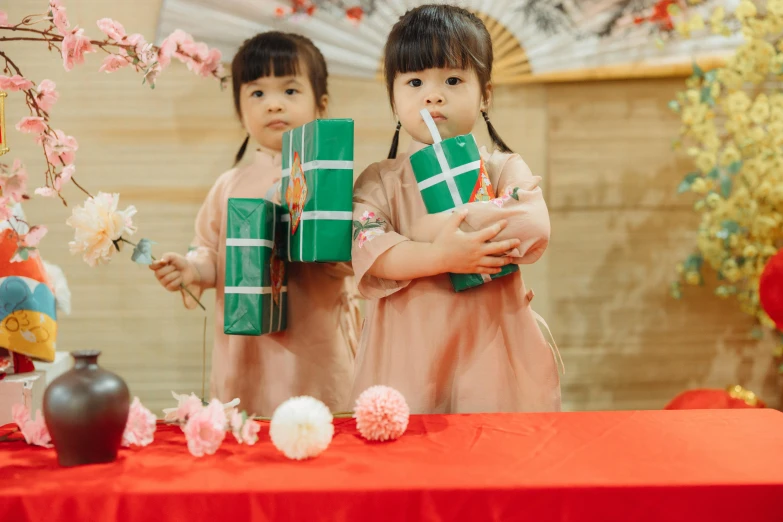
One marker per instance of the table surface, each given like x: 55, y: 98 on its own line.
x: 628, y: 466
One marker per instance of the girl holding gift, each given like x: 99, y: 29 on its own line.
x: 279, y: 83
x: 447, y: 352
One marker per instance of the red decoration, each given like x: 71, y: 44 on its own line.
x: 354, y: 14
x: 734, y: 397
x: 771, y: 289
x: 660, y: 15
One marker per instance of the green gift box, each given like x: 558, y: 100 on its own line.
x: 256, y: 292
x: 450, y: 173
x: 317, y: 190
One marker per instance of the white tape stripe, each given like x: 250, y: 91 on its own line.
x: 327, y: 165
x: 334, y: 215
x: 438, y: 178
x: 301, y: 224
x: 486, y: 278
x: 431, y: 125
x: 244, y: 242
x: 447, y: 174
x: 251, y: 290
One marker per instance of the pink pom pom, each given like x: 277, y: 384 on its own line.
x: 381, y: 413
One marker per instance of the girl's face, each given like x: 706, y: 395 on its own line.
x: 274, y: 104
x: 453, y: 97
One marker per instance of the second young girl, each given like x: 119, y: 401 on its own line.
x: 279, y: 83
x: 475, y: 351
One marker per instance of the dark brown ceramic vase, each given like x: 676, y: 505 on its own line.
x: 86, y: 410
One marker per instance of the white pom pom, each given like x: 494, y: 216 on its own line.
x: 301, y: 428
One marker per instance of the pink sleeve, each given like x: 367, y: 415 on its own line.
x: 519, y: 201
x: 204, y: 249
x: 373, y: 234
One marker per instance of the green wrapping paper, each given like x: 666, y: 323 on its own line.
x: 450, y: 173
x: 317, y: 190
x: 256, y: 292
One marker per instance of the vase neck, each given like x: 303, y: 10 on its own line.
x: 87, y: 359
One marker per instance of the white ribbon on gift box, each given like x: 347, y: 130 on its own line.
x: 447, y: 173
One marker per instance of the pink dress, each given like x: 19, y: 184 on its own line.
x: 315, y: 355
x: 480, y: 350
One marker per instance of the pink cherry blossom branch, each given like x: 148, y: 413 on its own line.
x: 59, y: 149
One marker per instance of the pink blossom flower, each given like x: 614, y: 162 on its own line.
x: 13, y: 181
x: 113, y: 62
x: 74, y: 46
x: 152, y: 74
x: 249, y: 432
x: 187, y: 405
x: 46, y: 96
x: 210, y: 64
x: 33, y: 430
x: 367, y: 235
x: 3, y: 19
x: 6, y: 208
x: 367, y: 215
x: 15, y: 83
x: 46, y: 192
x: 381, y: 413
x: 112, y: 29
x: 60, y: 148
x: 140, y: 428
x: 31, y: 125
x: 59, y: 18
x: 245, y: 430
x: 206, y: 429
x: 64, y: 177
x: 34, y: 236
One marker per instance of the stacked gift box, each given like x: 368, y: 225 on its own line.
x: 312, y: 225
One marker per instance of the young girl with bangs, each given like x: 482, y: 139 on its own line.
x: 279, y: 83
x: 475, y: 351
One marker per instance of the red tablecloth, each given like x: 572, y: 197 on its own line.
x: 600, y: 466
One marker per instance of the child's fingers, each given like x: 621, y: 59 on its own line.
x: 170, y: 277
x: 493, y: 262
x: 456, y: 219
x: 486, y: 234
x: 164, y: 271
x: 156, y: 265
x: 499, y: 247
x: 487, y: 270
x: 174, y: 285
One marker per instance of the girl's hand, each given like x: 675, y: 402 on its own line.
x: 173, y: 271
x: 471, y: 252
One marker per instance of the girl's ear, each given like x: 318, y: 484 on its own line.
x: 323, y: 103
x: 487, y: 100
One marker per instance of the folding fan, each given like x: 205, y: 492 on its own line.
x: 533, y: 39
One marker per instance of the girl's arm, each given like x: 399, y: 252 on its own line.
x: 385, y: 261
x: 520, y: 202
x: 452, y: 251
x: 202, y: 256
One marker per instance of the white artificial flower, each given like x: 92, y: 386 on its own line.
x: 301, y: 427
x: 97, y: 225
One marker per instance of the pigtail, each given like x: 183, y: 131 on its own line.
x: 395, y: 142
x: 494, y: 136
x: 241, y: 151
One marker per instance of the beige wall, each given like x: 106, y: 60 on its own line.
x: 609, y: 177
